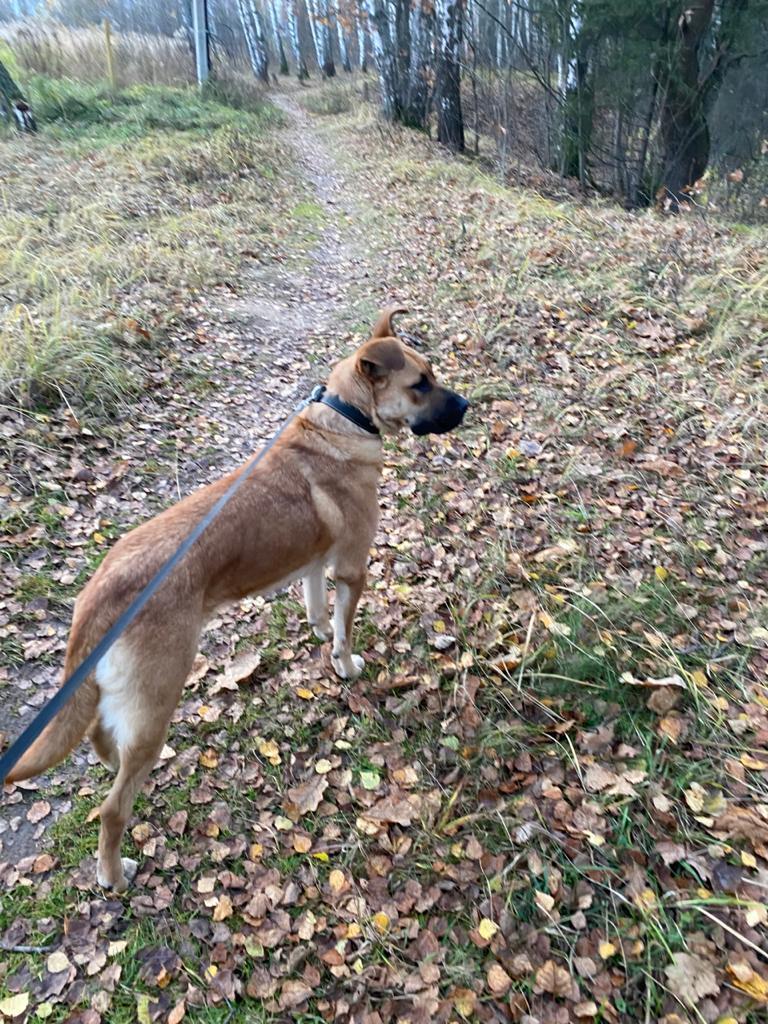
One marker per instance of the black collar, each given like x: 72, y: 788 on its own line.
x: 348, y: 411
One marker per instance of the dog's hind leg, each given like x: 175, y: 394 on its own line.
x: 140, y: 680
x: 348, y: 591
x: 136, y: 762
x: 104, y: 744
x: 316, y: 600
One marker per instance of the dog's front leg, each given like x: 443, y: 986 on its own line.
x: 348, y: 591
x: 316, y: 601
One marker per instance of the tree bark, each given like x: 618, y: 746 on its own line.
x: 253, y: 29
x: 278, y: 34
x: 684, y: 128
x: 385, y: 54
x: 420, y: 75
x: 302, y: 72
x: 450, y: 120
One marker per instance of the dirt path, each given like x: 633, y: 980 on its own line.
x: 273, y: 342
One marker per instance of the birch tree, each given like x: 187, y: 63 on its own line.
x: 299, y: 59
x: 319, y: 16
x: 449, y: 19
x: 253, y: 30
x: 277, y: 32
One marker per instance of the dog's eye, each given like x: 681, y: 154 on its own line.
x: 422, y: 384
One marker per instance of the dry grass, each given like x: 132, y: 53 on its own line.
x: 55, y: 51
x: 92, y: 264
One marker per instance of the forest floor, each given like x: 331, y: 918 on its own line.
x: 546, y: 799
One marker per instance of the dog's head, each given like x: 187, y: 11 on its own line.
x: 402, y: 386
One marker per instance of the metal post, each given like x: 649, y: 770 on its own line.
x: 200, y: 31
x: 110, y: 55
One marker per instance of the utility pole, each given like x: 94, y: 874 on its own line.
x: 200, y: 32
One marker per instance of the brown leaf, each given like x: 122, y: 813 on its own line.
x: 293, y: 993
x: 690, y: 978
x: 306, y: 796
x: 40, y: 809
x: 399, y: 808
x: 554, y: 979
x: 498, y: 979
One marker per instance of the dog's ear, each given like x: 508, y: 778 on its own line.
x: 380, y: 357
x: 383, y: 327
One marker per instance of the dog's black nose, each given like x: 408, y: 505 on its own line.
x: 463, y: 405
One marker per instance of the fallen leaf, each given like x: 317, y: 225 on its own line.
x: 498, y: 980
x: 691, y: 978
x: 308, y: 795
x: 40, y: 809
x: 57, y: 962
x: 487, y: 928
x: 14, y: 1006
x: 554, y: 979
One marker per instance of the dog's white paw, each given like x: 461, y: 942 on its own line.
x: 322, y: 630
x: 348, y: 668
x: 130, y: 867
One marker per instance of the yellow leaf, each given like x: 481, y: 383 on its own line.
x: 754, y: 763
x: 645, y: 900
x: 661, y: 573
x: 99, y: 538
x: 223, y: 908
x: 322, y: 856
x: 209, y: 758
x: 336, y: 880
x: 44, y: 1011
x: 305, y: 694
x: 354, y: 931
x: 211, y: 971
x: 606, y: 950
x: 698, y: 678
x: 255, y: 851
x: 270, y: 750
x: 487, y: 928
x: 14, y: 1006
x: 748, y: 859
x: 749, y: 981
x: 302, y: 844
x: 283, y: 824
x: 544, y: 901
x: 465, y: 1000
x: 381, y: 922
x: 357, y: 966
x: 323, y: 766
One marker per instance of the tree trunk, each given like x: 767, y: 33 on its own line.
x: 578, y: 110
x: 256, y: 42
x: 384, y: 51
x: 319, y: 14
x: 422, y: 34
x: 684, y: 128
x: 302, y: 72
x: 342, y: 39
x: 12, y: 100
x: 362, y: 56
x: 450, y: 121
x: 278, y: 34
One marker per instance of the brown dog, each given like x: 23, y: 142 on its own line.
x: 311, y: 504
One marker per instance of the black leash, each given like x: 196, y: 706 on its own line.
x: 81, y: 673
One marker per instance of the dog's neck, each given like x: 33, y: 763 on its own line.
x: 345, y: 382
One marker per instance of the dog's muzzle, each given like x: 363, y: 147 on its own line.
x: 447, y: 417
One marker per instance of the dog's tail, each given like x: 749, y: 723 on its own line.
x: 66, y: 730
